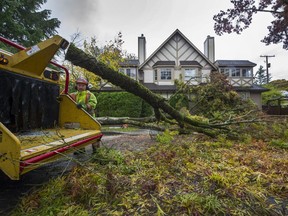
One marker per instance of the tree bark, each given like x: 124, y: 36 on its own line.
x: 121, y: 120
x: 79, y: 58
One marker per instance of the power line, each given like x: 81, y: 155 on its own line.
x: 268, y: 65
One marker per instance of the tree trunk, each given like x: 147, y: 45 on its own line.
x: 81, y: 59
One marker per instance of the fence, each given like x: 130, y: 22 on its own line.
x: 275, y: 110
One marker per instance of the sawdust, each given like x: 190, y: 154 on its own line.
x: 128, y: 142
x: 35, y: 138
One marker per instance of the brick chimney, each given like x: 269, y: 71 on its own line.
x: 141, y: 49
x: 209, y: 48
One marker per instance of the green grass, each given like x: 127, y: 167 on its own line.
x: 181, y: 175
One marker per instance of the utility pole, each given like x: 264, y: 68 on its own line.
x: 268, y: 65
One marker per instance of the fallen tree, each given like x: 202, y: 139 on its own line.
x: 79, y: 58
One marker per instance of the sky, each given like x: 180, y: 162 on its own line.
x: 158, y: 19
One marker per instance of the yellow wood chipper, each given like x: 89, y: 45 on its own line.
x: 38, y: 124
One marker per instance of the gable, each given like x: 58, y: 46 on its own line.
x: 179, y: 49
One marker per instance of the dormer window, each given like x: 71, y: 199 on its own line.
x: 166, y: 74
x: 190, y: 73
x: 163, y: 70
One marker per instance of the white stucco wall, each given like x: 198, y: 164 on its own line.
x: 206, y: 75
x: 177, y: 74
x: 148, y: 76
x: 256, y: 97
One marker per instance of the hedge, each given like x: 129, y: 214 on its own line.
x: 121, y: 104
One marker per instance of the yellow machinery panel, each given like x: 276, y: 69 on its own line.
x: 9, y: 153
x: 31, y: 101
x: 69, y: 113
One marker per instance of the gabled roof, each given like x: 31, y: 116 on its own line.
x: 177, y: 31
x: 235, y: 63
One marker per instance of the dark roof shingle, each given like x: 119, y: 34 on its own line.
x: 190, y: 63
x: 164, y: 63
x: 235, y: 63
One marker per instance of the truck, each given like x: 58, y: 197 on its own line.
x: 39, y: 121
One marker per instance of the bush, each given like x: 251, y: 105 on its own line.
x: 121, y: 104
x: 273, y: 93
x: 215, y: 100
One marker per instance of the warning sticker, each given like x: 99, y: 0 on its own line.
x: 32, y: 50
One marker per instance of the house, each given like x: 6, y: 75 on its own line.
x: 177, y: 58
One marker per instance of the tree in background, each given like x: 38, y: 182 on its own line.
x: 23, y: 21
x: 110, y: 54
x: 280, y: 84
x: 261, y: 76
x: 275, y: 87
x: 240, y: 17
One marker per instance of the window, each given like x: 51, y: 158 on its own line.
x: 165, y: 74
x: 189, y: 74
x: 155, y: 75
x: 128, y: 72
x: 121, y: 70
x: 244, y: 95
x: 247, y: 72
x: 235, y: 72
x: 133, y: 74
x: 227, y: 72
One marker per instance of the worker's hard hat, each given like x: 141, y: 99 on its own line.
x: 81, y: 81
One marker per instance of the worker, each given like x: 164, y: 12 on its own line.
x: 86, y: 100
x: 83, y: 97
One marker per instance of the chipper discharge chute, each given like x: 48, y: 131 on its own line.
x: 37, y: 123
